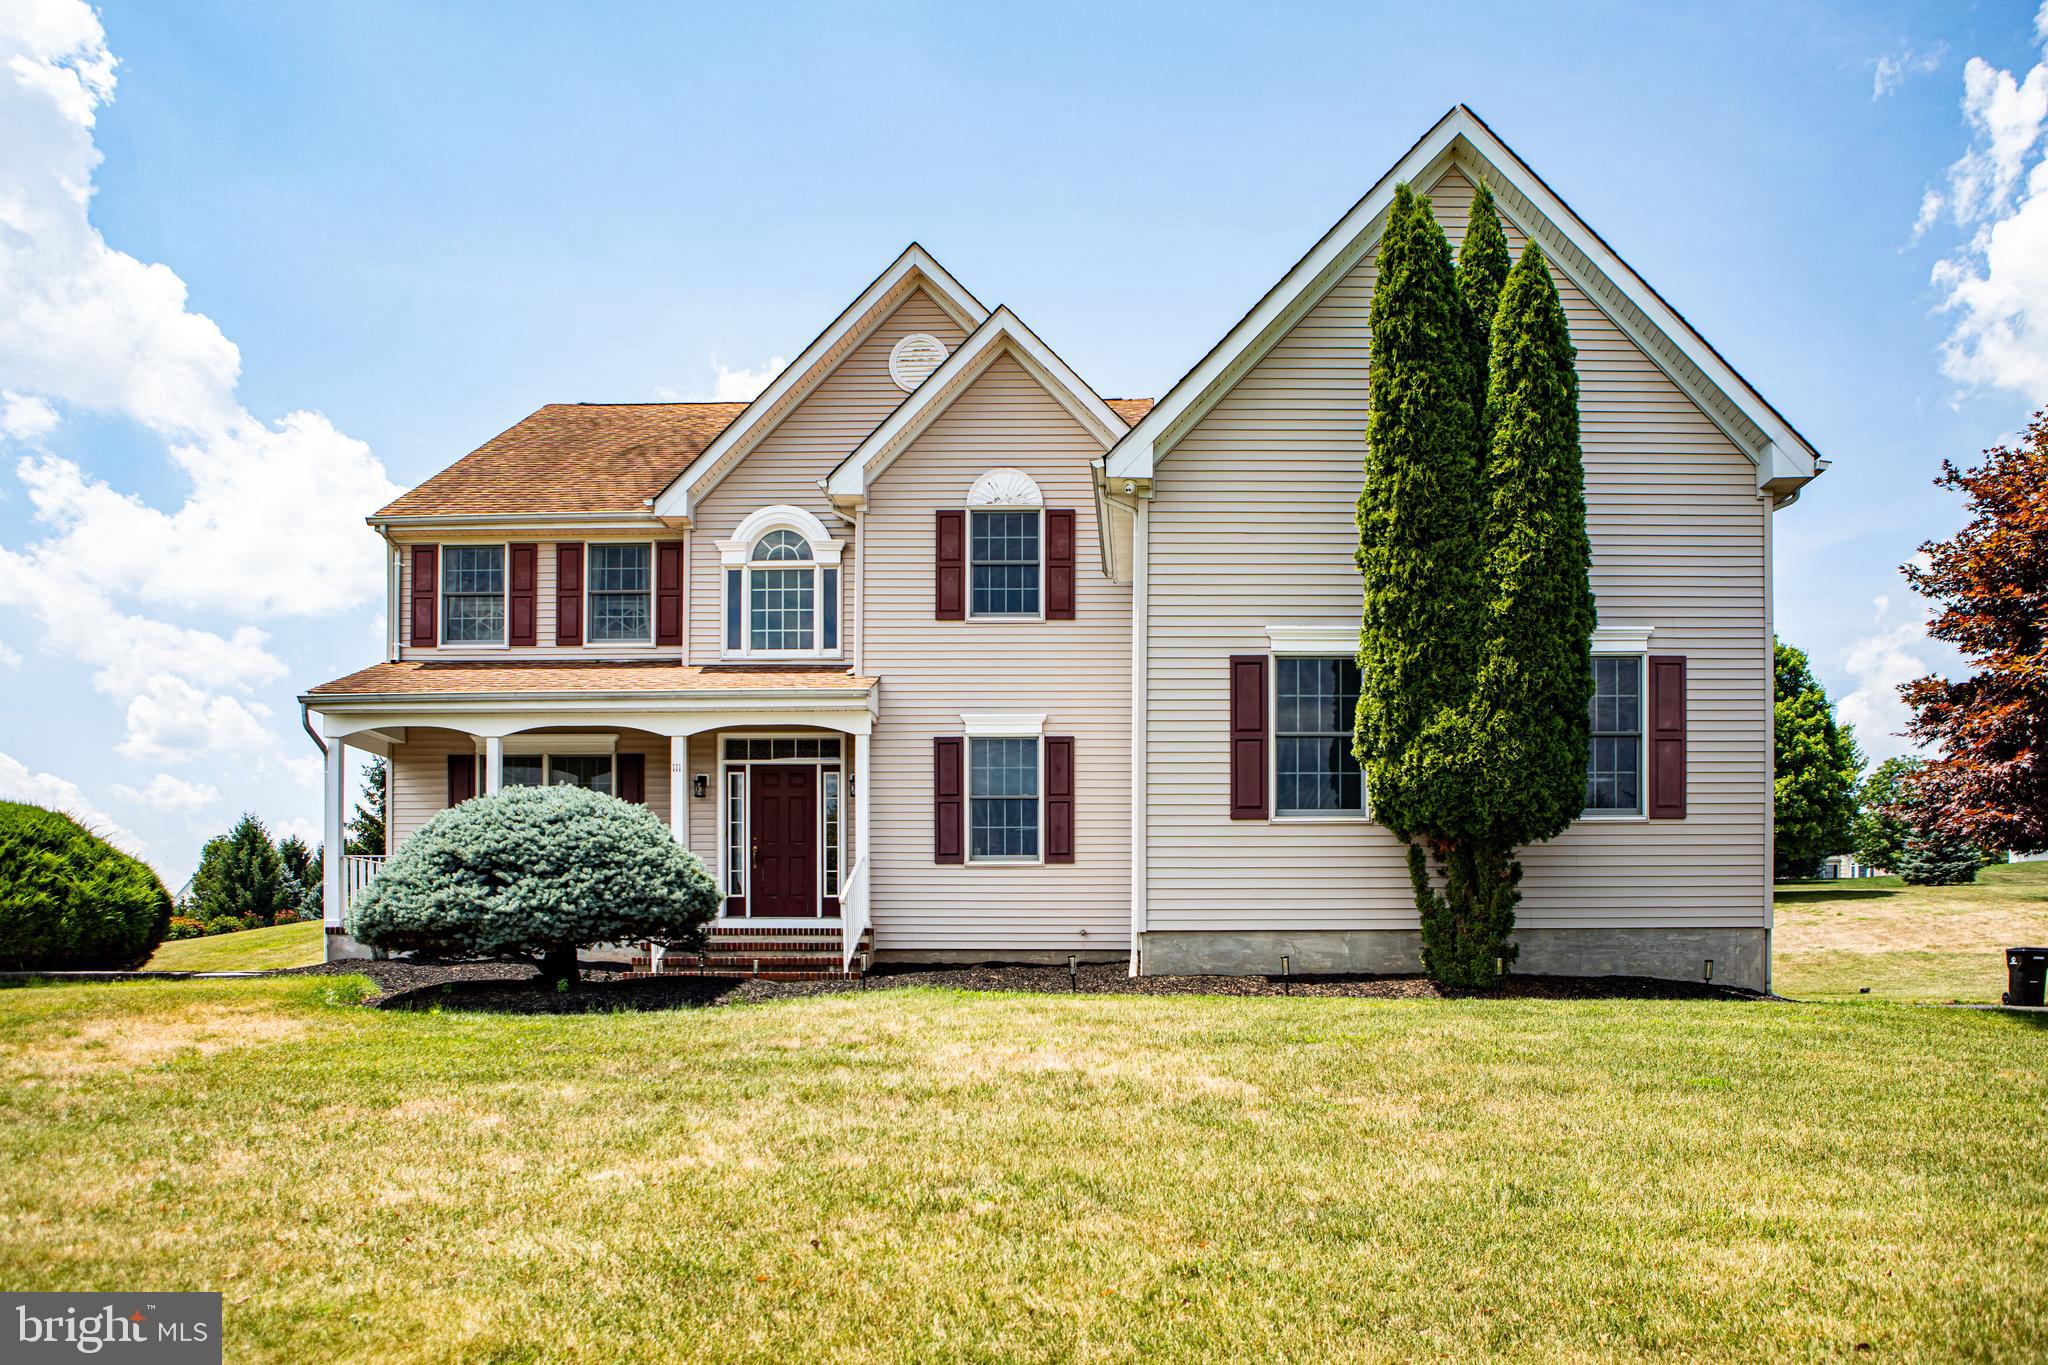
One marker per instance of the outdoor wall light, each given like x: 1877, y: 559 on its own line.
x: 700, y: 785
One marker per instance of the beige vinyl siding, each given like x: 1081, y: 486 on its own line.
x: 788, y: 463
x: 1251, y: 525
x: 1076, y: 672
x: 544, y: 607
x: 418, y: 774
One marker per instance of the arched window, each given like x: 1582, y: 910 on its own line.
x: 781, y: 586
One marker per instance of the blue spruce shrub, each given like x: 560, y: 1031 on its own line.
x: 533, y: 874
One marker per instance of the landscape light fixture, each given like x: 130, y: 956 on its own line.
x: 1074, y: 971
x: 1710, y: 969
x: 1287, y: 973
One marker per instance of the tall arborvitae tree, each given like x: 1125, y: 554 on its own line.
x: 1483, y: 265
x: 366, y: 827
x: 240, y: 874
x: 1418, y: 546
x: 1532, y: 698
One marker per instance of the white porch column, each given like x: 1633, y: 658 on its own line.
x: 860, y: 802
x: 334, y: 789
x: 679, y: 795
x: 494, y: 764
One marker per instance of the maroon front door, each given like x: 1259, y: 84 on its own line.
x: 784, y: 811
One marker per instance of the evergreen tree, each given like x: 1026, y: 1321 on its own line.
x: 1418, y: 551
x: 1937, y: 856
x: 1531, y: 702
x: 1482, y: 274
x: 1885, y: 806
x: 1817, y: 769
x: 240, y: 874
x: 366, y: 828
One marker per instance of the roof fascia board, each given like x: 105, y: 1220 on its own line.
x: 811, y: 368
x: 708, y: 699
x: 1463, y: 132
x: 636, y: 521
x: 1002, y: 334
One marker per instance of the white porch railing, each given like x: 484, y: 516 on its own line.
x: 853, y: 912
x: 356, y: 871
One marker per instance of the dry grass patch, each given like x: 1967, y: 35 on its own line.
x: 1907, y: 942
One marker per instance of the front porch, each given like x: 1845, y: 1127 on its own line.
x: 764, y: 785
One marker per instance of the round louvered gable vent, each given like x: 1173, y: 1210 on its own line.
x: 912, y: 359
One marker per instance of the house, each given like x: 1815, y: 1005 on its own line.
x: 931, y: 652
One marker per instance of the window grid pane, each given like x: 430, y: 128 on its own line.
x: 1315, y: 771
x: 1614, y: 767
x: 521, y: 770
x: 581, y: 770
x: 781, y: 545
x: 781, y: 608
x: 831, y: 834
x: 472, y: 594
x: 1002, y: 789
x: 735, y: 832
x: 1004, y: 557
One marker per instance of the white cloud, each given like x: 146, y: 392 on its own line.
x: 171, y: 795
x: 24, y: 417
x: 271, y: 520
x: 1996, y: 282
x: 17, y: 783
x: 1879, y: 663
x: 308, y: 831
x: 1894, y: 68
x: 729, y: 385
x: 9, y: 660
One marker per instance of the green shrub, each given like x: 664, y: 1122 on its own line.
x: 533, y: 874
x: 286, y: 915
x: 184, y: 926
x: 225, y: 924
x: 69, y: 899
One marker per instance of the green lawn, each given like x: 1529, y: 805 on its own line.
x: 911, y: 1175
x: 1907, y: 942
x: 251, y: 950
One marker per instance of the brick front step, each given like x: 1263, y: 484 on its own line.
x: 798, y: 954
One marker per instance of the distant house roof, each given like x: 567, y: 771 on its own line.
x: 598, y: 458
x: 426, y: 678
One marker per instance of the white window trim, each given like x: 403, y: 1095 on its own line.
x: 1000, y: 617
x: 653, y: 572
x: 1628, y: 644
x: 1304, y: 642
x: 736, y: 552
x: 999, y: 726
x: 441, y: 640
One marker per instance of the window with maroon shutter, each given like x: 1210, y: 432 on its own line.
x: 461, y: 778
x: 426, y: 580
x: 950, y: 586
x: 521, y: 592
x: 947, y: 843
x: 1248, y: 736
x: 633, y: 778
x: 1059, y: 798
x: 569, y: 594
x: 1059, y: 564
x: 668, y: 593
x: 1667, y: 736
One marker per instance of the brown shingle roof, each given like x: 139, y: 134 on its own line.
x: 573, y: 457
x: 435, y: 677
x: 1130, y: 409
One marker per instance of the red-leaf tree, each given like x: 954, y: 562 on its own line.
x: 1990, y: 585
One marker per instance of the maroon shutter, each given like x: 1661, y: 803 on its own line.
x: 668, y: 593
x: 520, y: 598
x: 633, y: 778
x: 461, y: 778
x: 1059, y: 563
x: 426, y: 581
x: 947, y: 803
x: 950, y: 591
x: 568, y: 594
x: 1248, y: 736
x: 1059, y: 799
x: 1667, y: 736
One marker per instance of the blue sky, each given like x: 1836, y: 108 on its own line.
x: 421, y: 222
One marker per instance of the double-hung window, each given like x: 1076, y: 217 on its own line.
x: 1315, y: 710
x: 1006, y: 562
x: 782, y: 595
x: 621, y: 593
x: 1003, y: 799
x: 473, y: 594
x: 595, y: 771
x: 1614, y: 771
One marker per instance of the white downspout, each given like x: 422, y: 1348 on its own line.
x: 1141, y: 570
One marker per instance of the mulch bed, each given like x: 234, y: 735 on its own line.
x: 515, y: 988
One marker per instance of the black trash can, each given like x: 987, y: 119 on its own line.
x: 2026, y: 969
